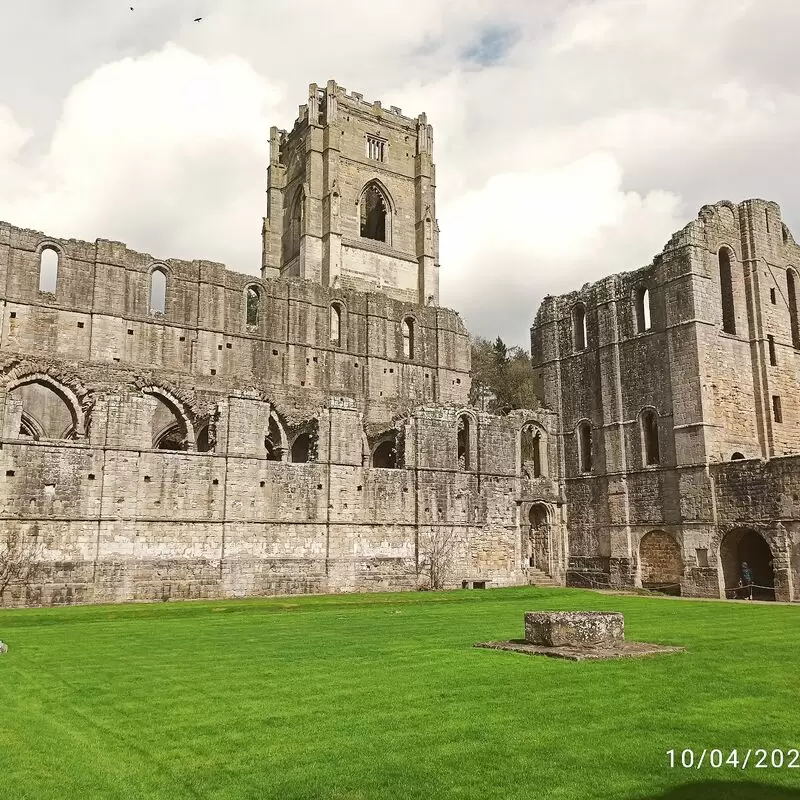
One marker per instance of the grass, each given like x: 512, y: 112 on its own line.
x: 383, y: 696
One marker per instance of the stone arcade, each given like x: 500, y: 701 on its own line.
x: 172, y: 429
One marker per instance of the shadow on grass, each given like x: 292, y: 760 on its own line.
x: 724, y: 790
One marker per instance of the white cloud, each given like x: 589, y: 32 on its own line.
x: 528, y: 234
x: 166, y: 151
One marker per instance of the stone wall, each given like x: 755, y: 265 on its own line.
x: 710, y: 380
x: 134, y: 454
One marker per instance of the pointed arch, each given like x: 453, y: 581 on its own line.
x: 375, y: 212
x: 171, y: 426
x: 532, y: 451
x: 276, y: 442
x: 293, y: 227
x: 60, y: 424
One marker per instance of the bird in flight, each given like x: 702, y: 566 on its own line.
x: 197, y: 19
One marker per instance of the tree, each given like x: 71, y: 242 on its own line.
x: 20, y: 560
x: 502, y: 377
x: 436, y: 556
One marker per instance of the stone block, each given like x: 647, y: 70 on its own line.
x: 574, y: 628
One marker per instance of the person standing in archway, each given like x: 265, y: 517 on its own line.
x: 747, y: 579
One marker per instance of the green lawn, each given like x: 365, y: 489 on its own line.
x: 383, y: 696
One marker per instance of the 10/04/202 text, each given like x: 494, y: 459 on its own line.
x: 758, y: 758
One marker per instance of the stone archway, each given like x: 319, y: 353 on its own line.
x: 744, y: 545
x: 660, y: 563
x: 538, y: 541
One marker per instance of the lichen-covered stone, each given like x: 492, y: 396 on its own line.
x: 574, y: 628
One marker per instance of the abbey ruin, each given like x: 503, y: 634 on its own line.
x: 172, y: 429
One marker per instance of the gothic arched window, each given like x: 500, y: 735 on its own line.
x: 374, y: 213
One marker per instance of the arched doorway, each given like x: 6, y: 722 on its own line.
x: 660, y: 563
x: 538, y: 549
x: 747, y: 546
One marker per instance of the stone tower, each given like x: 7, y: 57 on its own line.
x: 351, y: 199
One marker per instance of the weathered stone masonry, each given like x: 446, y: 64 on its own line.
x: 172, y: 429
x: 676, y: 390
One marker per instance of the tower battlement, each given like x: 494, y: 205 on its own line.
x: 351, y: 198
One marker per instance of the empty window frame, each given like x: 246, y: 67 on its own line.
x: 579, y: 327
x: 584, y: 432
x: 374, y: 214
x: 252, y: 302
x: 648, y: 421
x: 158, y: 291
x: 48, y: 270
x: 532, y: 452
x: 408, y: 337
x: 336, y: 325
x: 643, y: 322
x: 773, y: 359
x: 463, y: 436
x: 777, y: 414
x: 376, y: 148
x: 726, y: 291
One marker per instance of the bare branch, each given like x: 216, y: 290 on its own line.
x: 20, y: 560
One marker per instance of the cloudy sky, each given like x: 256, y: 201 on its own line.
x: 572, y: 137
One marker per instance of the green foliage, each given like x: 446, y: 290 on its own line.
x: 383, y: 696
x: 253, y: 300
x: 502, y: 377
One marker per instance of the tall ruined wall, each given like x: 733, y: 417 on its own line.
x: 99, y: 315
x: 115, y: 520
x: 714, y: 349
x: 152, y: 455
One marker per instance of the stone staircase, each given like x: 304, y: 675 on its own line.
x: 537, y: 577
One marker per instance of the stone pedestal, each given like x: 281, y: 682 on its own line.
x: 577, y: 636
x: 574, y: 628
